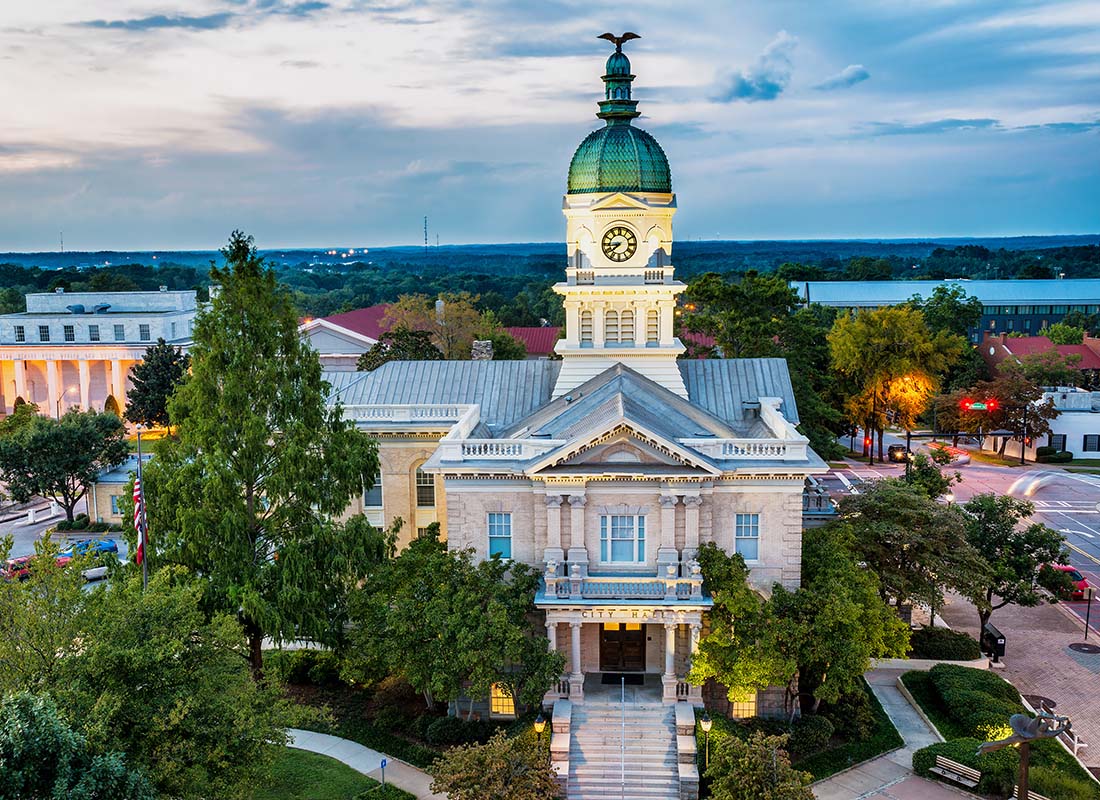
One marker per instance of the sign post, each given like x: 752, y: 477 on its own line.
x: 383, y: 772
x: 1088, y: 610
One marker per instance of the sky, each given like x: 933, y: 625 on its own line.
x: 166, y: 124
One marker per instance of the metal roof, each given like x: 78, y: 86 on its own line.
x: 722, y: 386
x: 849, y: 294
x: 505, y: 390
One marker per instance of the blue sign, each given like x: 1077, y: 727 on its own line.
x: 383, y: 763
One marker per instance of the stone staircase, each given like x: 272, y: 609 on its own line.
x: 595, y: 761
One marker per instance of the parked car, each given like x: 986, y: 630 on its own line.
x: 897, y: 453
x: 1080, y: 582
x: 94, y: 547
x: 19, y: 569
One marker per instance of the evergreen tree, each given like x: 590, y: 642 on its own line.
x: 161, y: 370
x: 246, y: 495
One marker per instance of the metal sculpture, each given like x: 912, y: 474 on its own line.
x: 619, y: 41
x: 1044, y: 725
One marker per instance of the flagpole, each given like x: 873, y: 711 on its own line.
x: 144, y: 519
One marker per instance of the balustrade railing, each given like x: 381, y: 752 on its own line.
x: 672, y: 586
x: 405, y: 413
x: 763, y: 449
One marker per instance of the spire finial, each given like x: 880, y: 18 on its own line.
x: 618, y: 41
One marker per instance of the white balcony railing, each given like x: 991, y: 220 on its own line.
x: 406, y: 413
x: 762, y: 449
x: 495, y: 449
x: 578, y: 586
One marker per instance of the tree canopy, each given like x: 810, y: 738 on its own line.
x: 949, y: 308
x: 399, y: 344
x: 504, y: 768
x: 1062, y: 333
x: 247, y: 493
x: 155, y: 377
x: 60, y: 459
x: 756, y: 769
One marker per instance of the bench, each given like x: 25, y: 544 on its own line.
x: 1030, y: 794
x: 956, y: 772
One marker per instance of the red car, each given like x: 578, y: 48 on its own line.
x: 19, y: 569
x: 1080, y: 583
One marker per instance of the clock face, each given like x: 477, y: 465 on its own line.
x: 619, y: 243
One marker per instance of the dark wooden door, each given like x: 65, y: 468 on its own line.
x: 622, y: 648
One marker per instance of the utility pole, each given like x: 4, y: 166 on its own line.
x: 62, y: 235
x: 425, y: 234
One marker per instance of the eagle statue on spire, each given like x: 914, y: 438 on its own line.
x: 618, y: 41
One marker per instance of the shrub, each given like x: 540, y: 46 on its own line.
x: 948, y: 677
x: 387, y: 792
x: 306, y: 666
x: 810, y: 734
x: 852, y: 716
x: 419, y: 727
x: 1055, y: 458
x: 1058, y: 785
x: 1057, y: 582
x: 1045, y: 450
x: 99, y: 527
x: 943, y: 643
x: 80, y: 522
x: 447, y: 731
x: 998, y: 768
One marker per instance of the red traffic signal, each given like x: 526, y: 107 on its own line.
x: 991, y: 404
x: 966, y: 403
x: 866, y: 441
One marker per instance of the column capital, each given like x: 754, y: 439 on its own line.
x: 668, y: 501
x: 552, y: 500
x: 671, y: 626
x: 577, y: 500
x: 573, y: 624
x: 693, y: 501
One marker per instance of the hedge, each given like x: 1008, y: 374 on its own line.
x: 387, y: 792
x: 998, y: 768
x: 943, y: 644
x: 1055, y: 458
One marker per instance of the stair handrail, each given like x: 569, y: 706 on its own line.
x: 622, y: 739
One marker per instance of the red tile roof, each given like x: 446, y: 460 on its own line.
x: 538, y: 341
x: 1028, y: 345
x: 365, y: 321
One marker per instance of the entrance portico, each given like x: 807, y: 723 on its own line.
x: 625, y: 637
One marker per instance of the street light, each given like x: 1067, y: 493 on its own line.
x: 540, y: 726
x: 70, y: 390
x: 705, y: 723
x: 949, y: 497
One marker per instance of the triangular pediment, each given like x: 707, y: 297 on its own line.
x: 619, y: 200
x: 624, y: 447
x: 325, y: 337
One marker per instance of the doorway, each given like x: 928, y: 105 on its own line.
x: 622, y: 647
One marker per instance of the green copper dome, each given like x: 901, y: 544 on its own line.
x: 619, y: 157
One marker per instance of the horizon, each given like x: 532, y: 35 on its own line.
x: 335, y: 121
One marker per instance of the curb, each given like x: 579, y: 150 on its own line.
x: 920, y: 711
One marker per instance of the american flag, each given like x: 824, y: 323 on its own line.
x: 139, y: 520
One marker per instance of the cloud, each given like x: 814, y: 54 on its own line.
x: 849, y: 76
x: 300, y: 64
x: 931, y: 127
x: 767, y: 78
x: 205, y: 23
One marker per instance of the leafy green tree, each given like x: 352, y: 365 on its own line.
x: 1061, y: 333
x: 1046, y: 368
x: 1013, y: 551
x: 21, y: 416
x: 42, y: 758
x: 155, y: 377
x: 949, y: 308
x: 1019, y: 401
x: 1090, y: 323
x: 400, y: 344
x: 247, y: 494
x: 866, y: 268
x: 914, y: 545
x: 159, y: 680
x: 60, y: 459
x: 501, y: 769
x: 926, y: 476
x: 756, y: 769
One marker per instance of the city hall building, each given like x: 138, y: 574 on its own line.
x: 608, y: 468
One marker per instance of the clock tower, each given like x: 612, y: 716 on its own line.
x: 619, y: 292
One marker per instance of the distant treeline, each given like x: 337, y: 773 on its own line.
x: 514, y: 281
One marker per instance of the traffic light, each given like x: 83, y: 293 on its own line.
x: 991, y: 404
x: 966, y: 403
x: 867, y: 441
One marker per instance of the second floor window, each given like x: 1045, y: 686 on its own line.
x: 43, y: 333
x: 20, y: 333
x: 143, y: 332
x: 372, y: 497
x: 425, y: 489
x: 115, y: 509
x: 93, y: 333
x: 120, y: 333
x: 70, y: 333
x: 746, y: 538
x: 622, y: 538
x: 500, y: 535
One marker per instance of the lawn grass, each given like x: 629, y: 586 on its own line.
x: 1084, y: 462
x: 986, y: 457
x: 298, y: 775
x: 1084, y: 470
x: 1046, y: 753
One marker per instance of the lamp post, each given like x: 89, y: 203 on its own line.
x: 70, y: 390
x: 705, y: 723
x: 540, y: 726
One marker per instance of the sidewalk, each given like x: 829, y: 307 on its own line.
x: 367, y: 761
x: 890, y: 776
x: 1038, y: 661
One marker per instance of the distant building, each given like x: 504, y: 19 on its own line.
x: 72, y: 350
x: 1008, y: 305
x: 106, y: 493
x: 997, y: 348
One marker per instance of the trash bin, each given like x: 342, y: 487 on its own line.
x: 993, y: 642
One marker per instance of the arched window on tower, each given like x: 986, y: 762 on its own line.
x: 626, y: 327
x: 652, y: 327
x: 586, y: 328
x: 611, y: 327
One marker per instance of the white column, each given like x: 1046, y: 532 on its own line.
x: 52, y: 395
x: 85, y: 384
x: 667, y: 309
x: 21, y: 379
x: 597, y: 324
x: 554, y: 550
x: 573, y: 323
x: 691, y: 525
x: 552, y: 635
x: 576, y: 677
x: 696, y: 692
x: 118, y: 387
x: 668, y: 680
x: 640, y: 321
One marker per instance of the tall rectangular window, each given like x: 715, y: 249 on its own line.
x: 70, y: 333
x: 372, y: 497
x: 1091, y: 443
x: 93, y: 333
x: 622, y: 538
x: 501, y: 703
x: 500, y: 535
x: 173, y: 330
x: 425, y: 489
x: 1057, y: 441
x: 115, y: 509
x: 43, y: 333
x: 746, y: 537
x: 20, y: 333
x: 120, y: 333
x: 143, y: 332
